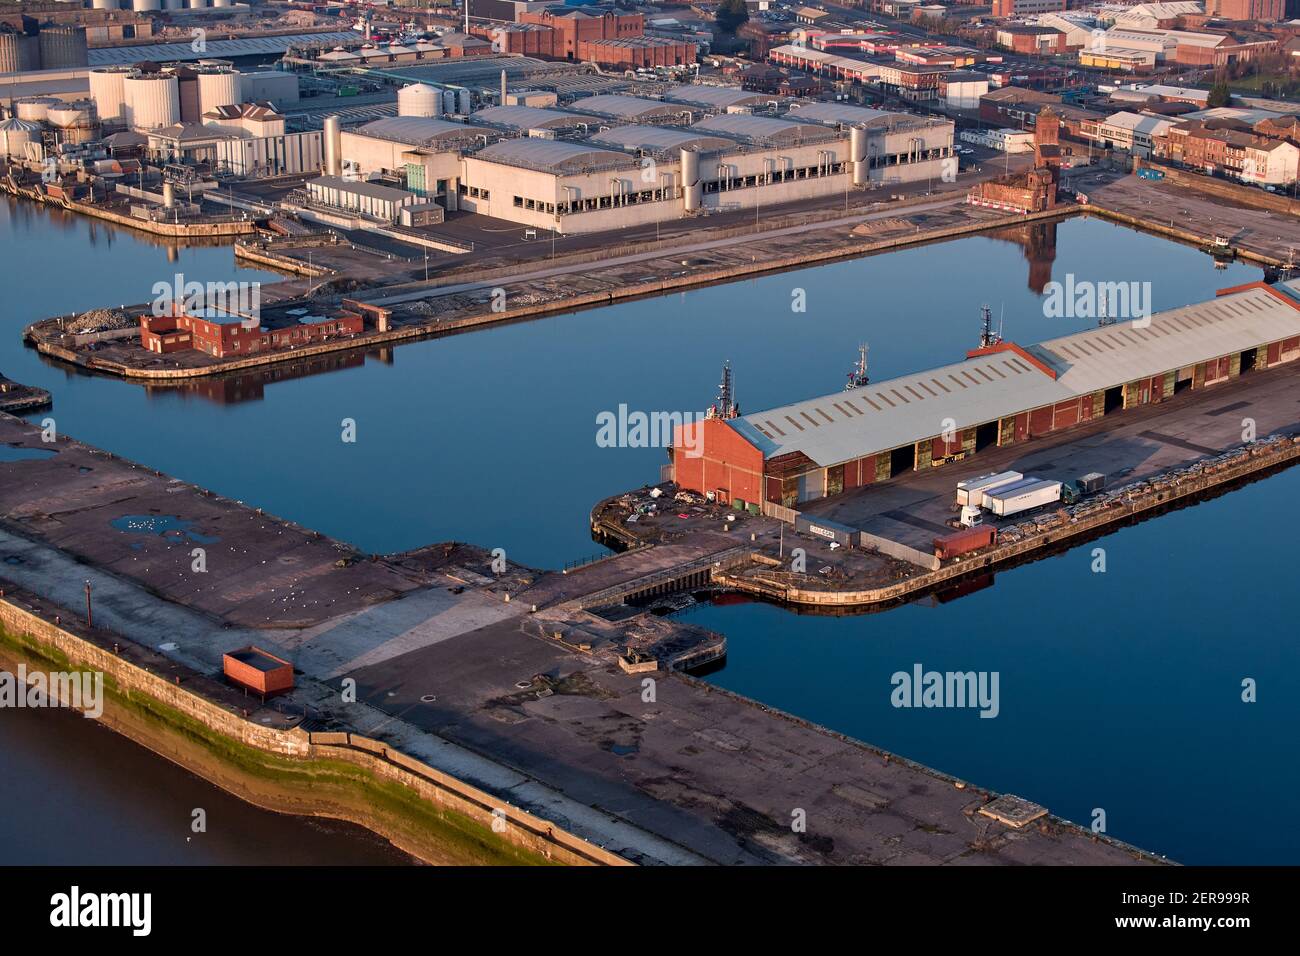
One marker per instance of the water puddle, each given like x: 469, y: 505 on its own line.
x: 17, y: 453
x: 166, y: 526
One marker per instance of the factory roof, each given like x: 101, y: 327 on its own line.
x: 418, y: 130
x: 764, y: 129
x: 552, y: 156
x: 529, y: 117
x: 835, y: 114
x: 658, y: 140
x: 718, y: 97
x: 1009, y: 380
x: 245, y: 46
x: 619, y: 106
x: 361, y: 188
x: 1124, y: 352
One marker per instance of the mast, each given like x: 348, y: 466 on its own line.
x: 988, y: 338
x: 858, y: 376
x: 725, y: 405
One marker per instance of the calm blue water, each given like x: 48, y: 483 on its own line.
x: 1119, y: 691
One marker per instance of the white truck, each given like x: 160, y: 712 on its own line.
x: 971, y: 491
x: 1022, y: 496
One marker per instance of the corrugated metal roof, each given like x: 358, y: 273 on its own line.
x: 361, y: 188
x: 834, y: 114
x: 657, y: 139
x: 619, y: 106
x: 764, y: 129
x: 884, y: 415
x: 1105, y: 357
x: 529, y: 117
x: 246, y: 46
x: 418, y: 130
x: 552, y: 156
x: 719, y: 97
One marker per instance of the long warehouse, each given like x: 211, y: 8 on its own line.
x: 997, y: 396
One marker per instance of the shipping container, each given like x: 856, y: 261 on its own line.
x: 964, y: 542
x: 1092, y: 482
x: 1023, y: 497
x: 257, y: 670
x: 1006, y: 488
x: 830, y: 530
x: 970, y: 491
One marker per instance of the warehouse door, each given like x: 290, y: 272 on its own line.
x: 901, y: 460
x: 985, y: 435
x: 1114, y: 399
x: 1249, y: 358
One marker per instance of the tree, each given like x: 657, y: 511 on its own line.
x: 731, y: 15
x: 1219, y: 95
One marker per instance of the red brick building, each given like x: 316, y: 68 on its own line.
x: 221, y: 334
x: 1246, y: 9
x: 609, y: 39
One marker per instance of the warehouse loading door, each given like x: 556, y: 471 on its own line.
x: 985, y: 435
x: 1114, y: 399
x: 901, y: 460
x: 1249, y: 358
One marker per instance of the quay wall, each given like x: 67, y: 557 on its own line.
x: 201, y: 230
x: 512, y: 824
x: 785, y: 590
x: 657, y: 287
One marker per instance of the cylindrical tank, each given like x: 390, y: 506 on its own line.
x: 858, y: 155
x: 34, y: 109
x: 145, y: 6
x: 152, y: 100
x: 74, y: 122
x: 105, y: 4
x: 169, y: 195
x: 464, y: 104
x: 692, y: 188
x: 107, y: 92
x: 15, y: 134
x: 62, y: 47
x: 218, y: 88
x: 173, y: 4
x: 333, y: 146
x: 19, y: 52
x: 223, y: 3
x: 449, y: 101
x: 418, y: 99
x: 199, y: 4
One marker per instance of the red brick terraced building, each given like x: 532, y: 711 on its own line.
x: 223, y: 334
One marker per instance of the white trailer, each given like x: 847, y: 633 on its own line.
x: 971, y: 491
x: 1023, y: 496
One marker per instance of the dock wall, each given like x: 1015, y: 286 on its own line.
x: 443, y: 791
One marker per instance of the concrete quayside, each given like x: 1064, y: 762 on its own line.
x: 477, y: 679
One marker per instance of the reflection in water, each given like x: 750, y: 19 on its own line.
x: 1038, y: 240
x: 237, y: 387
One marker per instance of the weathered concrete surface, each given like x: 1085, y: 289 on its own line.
x: 457, y: 681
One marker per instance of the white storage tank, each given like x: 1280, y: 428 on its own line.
x: 332, y: 142
x: 105, y: 4
x: 419, y: 99
x: 449, y: 101
x: 34, y: 109
x: 146, y: 6
x: 692, y: 188
x: 464, y: 102
x: 152, y: 100
x: 17, y: 133
x: 173, y: 4
x: 108, y: 94
x: 223, y: 3
x: 858, y: 155
x: 198, y: 4
x: 218, y: 87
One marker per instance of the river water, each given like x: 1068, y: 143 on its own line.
x: 1120, y: 692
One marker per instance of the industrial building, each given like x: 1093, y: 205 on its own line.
x: 223, y: 334
x: 1001, y: 394
x: 611, y: 161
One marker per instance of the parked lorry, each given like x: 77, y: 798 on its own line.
x: 1078, y: 489
x: 971, y: 491
x: 1022, y: 496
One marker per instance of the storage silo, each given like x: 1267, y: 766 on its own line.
x: 107, y: 93
x: 15, y: 134
x: 105, y: 4
x: 146, y: 6
x: 34, y: 109
x: 18, y: 51
x: 692, y: 188
x: 333, y: 146
x: 218, y: 87
x: 152, y: 100
x: 62, y: 47
x: 223, y: 3
x: 173, y: 4
x: 449, y: 101
x: 464, y: 102
x: 858, y: 155
x: 198, y: 4
x: 419, y: 99
x: 74, y: 122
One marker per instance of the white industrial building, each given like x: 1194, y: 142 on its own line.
x: 369, y: 199
x: 598, y: 164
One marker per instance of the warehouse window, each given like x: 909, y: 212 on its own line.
x: 519, y: 201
